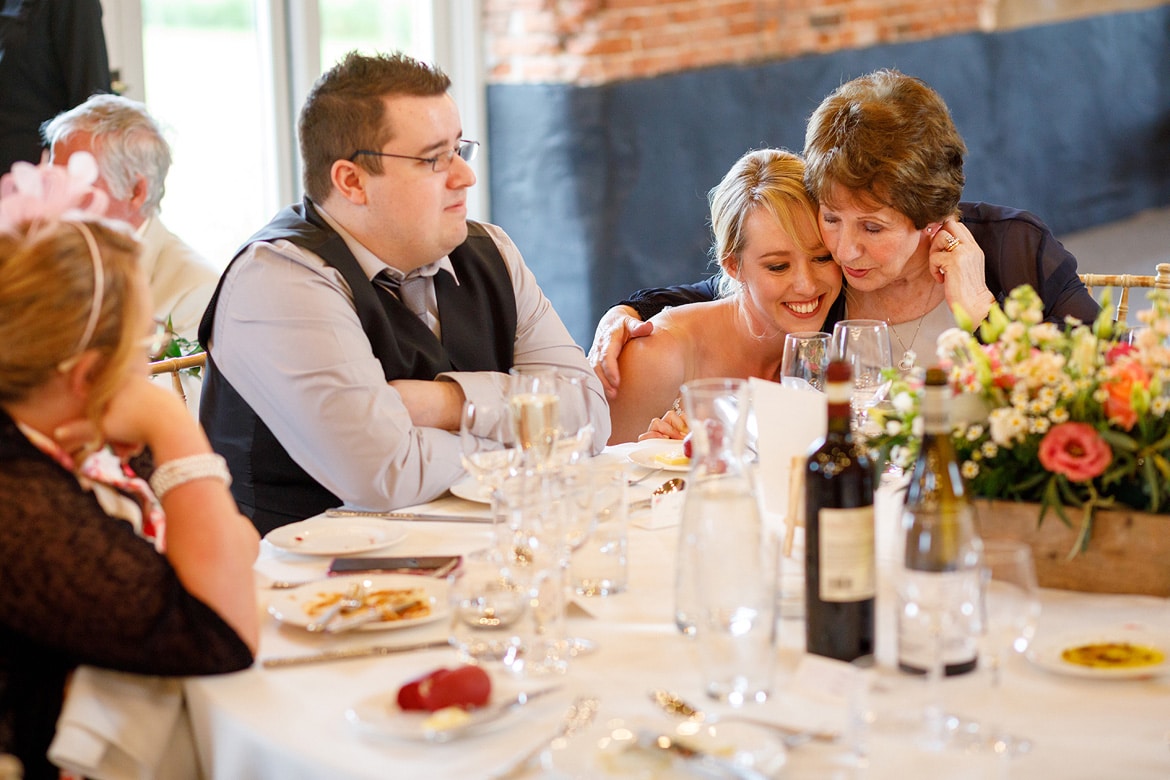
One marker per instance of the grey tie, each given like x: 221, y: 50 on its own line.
x: 413, y: 292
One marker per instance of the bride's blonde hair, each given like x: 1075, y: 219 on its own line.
x: 48, y: 292
x: 771, y: 179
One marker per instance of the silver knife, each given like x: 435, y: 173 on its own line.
x: 408, y: 516
x: 353, y: 652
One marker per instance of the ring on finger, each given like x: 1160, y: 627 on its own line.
x: 952, y: 242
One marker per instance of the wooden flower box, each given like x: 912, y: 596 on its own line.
x: 1128, y: 552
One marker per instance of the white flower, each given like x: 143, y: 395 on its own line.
x: 904, y: 402
x: 970, y: 469
x: 1007, y: 425
x: 989, y: 449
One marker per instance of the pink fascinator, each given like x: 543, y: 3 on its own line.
x: 31, y: 194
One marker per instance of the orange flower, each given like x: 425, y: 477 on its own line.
x: 1075, y: 450
x: 1122, y: 378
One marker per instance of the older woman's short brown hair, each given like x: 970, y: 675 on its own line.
x: 343, y: 112
x: 888, y: 137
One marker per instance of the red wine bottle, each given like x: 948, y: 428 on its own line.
x: 840, y: 569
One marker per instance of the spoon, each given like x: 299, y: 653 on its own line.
x: 674, y: 704
x: 672, y: 485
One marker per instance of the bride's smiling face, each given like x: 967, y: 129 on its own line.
x: 783, y: 286
x: 874, y: 245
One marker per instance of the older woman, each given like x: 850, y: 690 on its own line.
x: 99, y: 568
x: 885, y: 163
x: 775, y: 277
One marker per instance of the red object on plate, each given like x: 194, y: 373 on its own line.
x: 687, y: 448
x: 463, y: 686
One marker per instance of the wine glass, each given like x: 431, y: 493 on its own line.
x: 943, y: 608
x: 1010, y: 609
x: 490, y: 457
x: 806, y: 358
x: 865, y: 346
x: 576, y: 426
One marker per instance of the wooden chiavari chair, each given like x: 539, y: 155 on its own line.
x: 1123, y: 282
x: 173, y: 366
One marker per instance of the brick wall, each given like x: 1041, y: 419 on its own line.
x: 600, y: 41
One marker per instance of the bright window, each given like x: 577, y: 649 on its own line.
x: 209, y: 78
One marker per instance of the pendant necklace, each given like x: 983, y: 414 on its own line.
x: 909, y: 356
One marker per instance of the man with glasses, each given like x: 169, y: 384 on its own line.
x: 346, y: 335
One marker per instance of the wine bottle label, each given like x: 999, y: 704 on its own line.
x: 931, y: 604
x: 846, y: 552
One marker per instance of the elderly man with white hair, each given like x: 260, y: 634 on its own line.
x: 133, y: 159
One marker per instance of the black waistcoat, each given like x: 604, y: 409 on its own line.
x: 479, y: 332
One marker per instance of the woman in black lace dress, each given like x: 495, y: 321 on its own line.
x: 93, y: 570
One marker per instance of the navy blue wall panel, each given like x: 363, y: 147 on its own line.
x: 604, y: 188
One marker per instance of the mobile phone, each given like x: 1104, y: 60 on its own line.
x: 408, y: 564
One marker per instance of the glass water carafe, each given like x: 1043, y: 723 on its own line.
x: 725, y: 591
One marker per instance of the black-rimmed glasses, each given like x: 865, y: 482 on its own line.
x: 467, y: 150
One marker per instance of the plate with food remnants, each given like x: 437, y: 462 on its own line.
x: 664, y: 454
x: 389, y: 601
x: 1123, y: 653
x: 336, y: 535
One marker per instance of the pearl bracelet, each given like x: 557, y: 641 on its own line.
x: 183, y: 470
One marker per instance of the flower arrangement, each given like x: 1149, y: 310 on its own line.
x: 1072, y: 416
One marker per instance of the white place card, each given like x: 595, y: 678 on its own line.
x: 788, y: 421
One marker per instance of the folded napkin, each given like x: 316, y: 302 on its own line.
x: 119, y: 726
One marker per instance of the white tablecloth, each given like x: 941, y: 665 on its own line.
x: 289, y: 723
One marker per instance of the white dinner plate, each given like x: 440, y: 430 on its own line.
x: 644, y: 454
x: 1046, y: 653
x: 294, y: 606
x: 379, y: 714
x: 336, y: 535
x: 472, y: 489
x: 610, y: 749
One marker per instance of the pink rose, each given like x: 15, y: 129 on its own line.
x: 1122, y: 379
x: 1075, y: 450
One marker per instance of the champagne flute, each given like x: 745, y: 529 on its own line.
x: 865, y: 345
x: 535, y: 410
x: 806, y: 358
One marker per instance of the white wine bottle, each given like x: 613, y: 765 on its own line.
x: 839, y: 565
x: 939, y: 594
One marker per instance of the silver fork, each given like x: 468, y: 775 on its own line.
x: 353, y: 598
